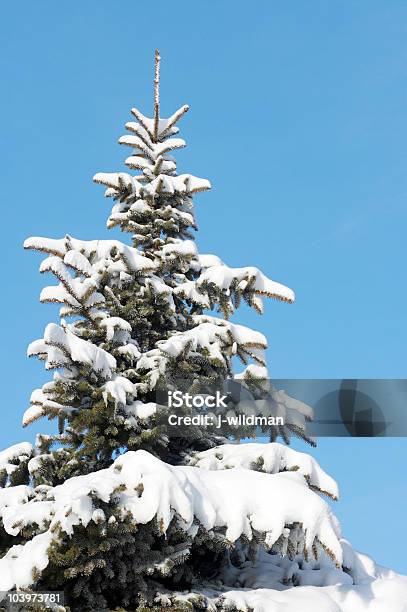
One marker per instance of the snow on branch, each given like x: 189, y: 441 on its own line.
x: 118, y: 390
x: 111, y: 324
x: 150, y: 150
x: 107, y: 252
x: 124, y: 185
x: 47, y: 245
x: 152, y: 140
x: 12, y: 459
x: 270, y: 458
x: 218, y: 283
x: 165, y: 126
x: 33, y: 413
x: 179, y: 248
x: 61, y: 348
x: 41, y: 403
x: 234, y: 502
x: 214, y: 335
x: 83, y: 267
x: 223, y: 277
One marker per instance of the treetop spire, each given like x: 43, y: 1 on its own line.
x: 157, y: 60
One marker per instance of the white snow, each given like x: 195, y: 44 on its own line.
x: 119, y: 181
x: 164, y: 125
x: 208, y: 260
x: 153, y: 364
x: 236, y: 500
x: 131, y: 350
x: 83, y: 267
x: 113, y: 255
x: 273, y: 402
x: 18, y: 563
x: 79, y: 262
x: 189, y: 291
x: 270, y: 458
x: 98, y: 516
x: 61, y: 347
x: 46, y: 245
x: 32, y: 414
x: 118, y: 388
x: 139, y: 410
x: 14, y: 452
x: 216, y: 275
x: 183, y: 183
x: 55, y: 265
x: 40, y: 400
x: 59, y: 294
x: 267, y: 585
x: 152, y: 150
x: 113, y: 323
x: 136, y: 187
x: 387, y: 594
x: 253, y: 370
x: 183, y: 248
x: 280, y: 397
x: 138, y: 163
x: 10, y: 458
x: 213, y: 335
x: 222, y: 276
x: 151, y: 157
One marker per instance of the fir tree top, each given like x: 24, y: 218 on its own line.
x: 135, y: 318
x: 141, y: 197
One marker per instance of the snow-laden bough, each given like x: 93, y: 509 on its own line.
x: 235, y: 502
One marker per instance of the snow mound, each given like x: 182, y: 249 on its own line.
x: 278, y: 584
x: 381, y: 595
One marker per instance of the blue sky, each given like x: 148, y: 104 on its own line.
x: 298, y: 116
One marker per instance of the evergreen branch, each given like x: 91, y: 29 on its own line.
x: 173, y: 120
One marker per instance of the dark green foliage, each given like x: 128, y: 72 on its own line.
x: 118, y: 565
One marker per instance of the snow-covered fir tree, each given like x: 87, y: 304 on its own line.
x: 118, y: 509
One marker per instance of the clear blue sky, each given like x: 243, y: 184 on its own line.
x: 299, y: 118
